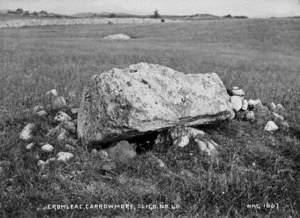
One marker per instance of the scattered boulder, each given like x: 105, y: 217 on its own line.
x: 123, y: 103
x: 245, y: 105
x: 253, y: 103
x: 272, y: 106
x: 64, y: 156
x: 250, y: 116
x: 236, y: 91
x: 59, y: 102
x: 271, y: 126
x: 62, y: 117
x: 30, y: 146
x: 52, y: 92
x: 280, y: 107
x: 237, y: 102
x: 42, y: 113
x: 47, y: 148
x: 184, y: 136
x: 26, y: 133
x: 119, y: 36
x: 181, y: 136
x: 278, y: 116
x: 206, y: 145
x: 51, y: 159
x: 70, y: 126
x: 38, y: 108
x: 41, y: 163
x: 122, y: 152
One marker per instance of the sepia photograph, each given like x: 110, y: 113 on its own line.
x: 149, y: 108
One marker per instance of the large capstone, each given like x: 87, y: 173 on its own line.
x: 123, y: 103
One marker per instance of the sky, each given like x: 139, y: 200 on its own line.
x: 251, y: 8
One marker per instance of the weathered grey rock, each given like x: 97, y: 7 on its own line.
x: 59, y: 102
x: 62, y: 117
x: 119, y: 36
x: 237, y: 102
x: 181, y: 136
x: 245, y: 105
x: 30, y: 146
x: 26, y: 133
x: 236, y: 91
x: 64, y: 156
x: 271, y: 126
x: 47, y: 148
x: 207, y: 145
x: 120, y: 104
x: 250, y: 116
x: 253, y: 103
x: 42, y: 113
x: 38, y: 108
x: 52, y: 92
x: 272, y: 106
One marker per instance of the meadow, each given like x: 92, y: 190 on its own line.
x: 262, y: 56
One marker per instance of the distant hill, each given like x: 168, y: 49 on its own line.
x: 22, y: 14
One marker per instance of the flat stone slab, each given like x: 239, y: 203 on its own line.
x: 123, y: 103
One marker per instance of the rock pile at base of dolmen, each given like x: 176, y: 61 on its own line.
x: 120, y: 109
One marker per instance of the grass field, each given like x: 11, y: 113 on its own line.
x: 260, y: 55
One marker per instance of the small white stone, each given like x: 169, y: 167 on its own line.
x: 26, y: 133
x: 52, y: 92
x: 207, y: 146
x: 64, y: 156
x: 278, y: 116
x: 161, y: 163
x: 38, y: 108
x: 184, y: 141
x: 250, y: 116
x: 47, y: 148
x: 41, y: 163
x: 271, y: 126
x: 237, y: 102
x: 245, y: 105
x: 253, y: 103
x: 272, y: 106
x: 62, y: 117
x: 280, y: 107
x: 42, y: 113
x: 59, y: 102
x: 51, y: 159
x: 30, y: 146
x: 237, y: 92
